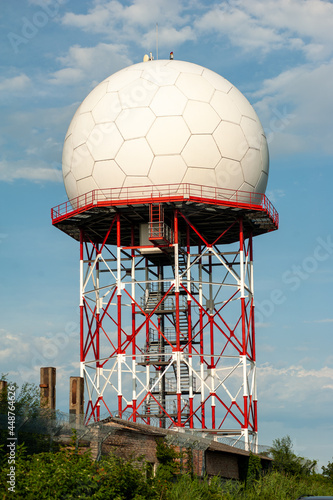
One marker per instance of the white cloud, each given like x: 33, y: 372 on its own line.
x: 296, y: 109
x: 105, y: 16
x: 38, y: 136
x: 99, y: 19
x: 303, y: 25
x: 15, y: 84
x: 263, y: 325
x: 86, y: 64
x: 67, y: 76
x: 23, y: 169
x: 137, y: 22
x: 291, y: 385
x: 326, y: 320
x: 165, y: 34
x: 54, y: 349
x: 148, y: 12
x: 309, y: 20
x: 243, y: 30
x: 260, y: 26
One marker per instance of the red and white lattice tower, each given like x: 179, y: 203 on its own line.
x: 165, y: 164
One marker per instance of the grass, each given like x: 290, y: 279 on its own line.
x: 273, y: 486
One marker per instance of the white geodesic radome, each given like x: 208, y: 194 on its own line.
x: 165, y: 122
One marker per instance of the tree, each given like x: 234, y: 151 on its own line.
x: 328, y: 471
x: 254, y: 469
x: 26, y: 409
x: 168, y: 466
x: 27, y: 398
x: 287, y: 462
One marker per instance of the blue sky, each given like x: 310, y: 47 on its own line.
x: 279, y: 53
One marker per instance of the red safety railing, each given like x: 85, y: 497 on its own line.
x: 162, y: 193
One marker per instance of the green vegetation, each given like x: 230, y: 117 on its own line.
x: 286, y: 461
x: 71, y: 474
x: 27, y: 408
x: 328, y: 471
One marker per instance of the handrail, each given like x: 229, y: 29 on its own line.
x: 164, y: 192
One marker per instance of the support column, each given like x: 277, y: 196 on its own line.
x: 81, y: 306
x: 252, y: 318
x: 201, y: 336
x: 119, y: 349
x: 177, y: 280
x: 189, y: 323
x: 134, y: 361
x: 97, y: 337
x: 244, y: 335
x: 211, y: 336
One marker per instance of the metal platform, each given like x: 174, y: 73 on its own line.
x: 210, y: 210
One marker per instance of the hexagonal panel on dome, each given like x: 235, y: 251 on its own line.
x: 225, y: 107
x: 67, y: 155
x: 229, y: 174
x: 135, y: 157
x: 185, y: 67
x: 253, y: 131
x: 168, y: 135
x: 135, y: 122
x: 195, y: 87
x: 217, y: 81
x: 201, y: 117
x: 73, y: 122
x: 83, y: 126
x: 107, y: 173
x: 247, y: 188
x: 86, y: 185
x: 264, y: 154
x: 122, y: 78
x: 82, y: 162
x: 246, y: 195
x: 107, y: 109
x: 230, y: 140
x: 137, y: 94
x: 71, y: 186
x: 94, y: 97
x: 201, y: 176
x: 262, y: 183
x: 168, y: 101
x: 242, y: 103
x: 142, y: 66
x: 104, y: 141
x: 167, y: 169
x: 134, y: 180
x: 201, y: 151
x: 251, y: 165
x: 160, y: 73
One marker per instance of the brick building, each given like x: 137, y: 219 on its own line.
x: 131, y: 441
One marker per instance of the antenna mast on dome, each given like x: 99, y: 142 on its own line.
x: 156, y: 40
